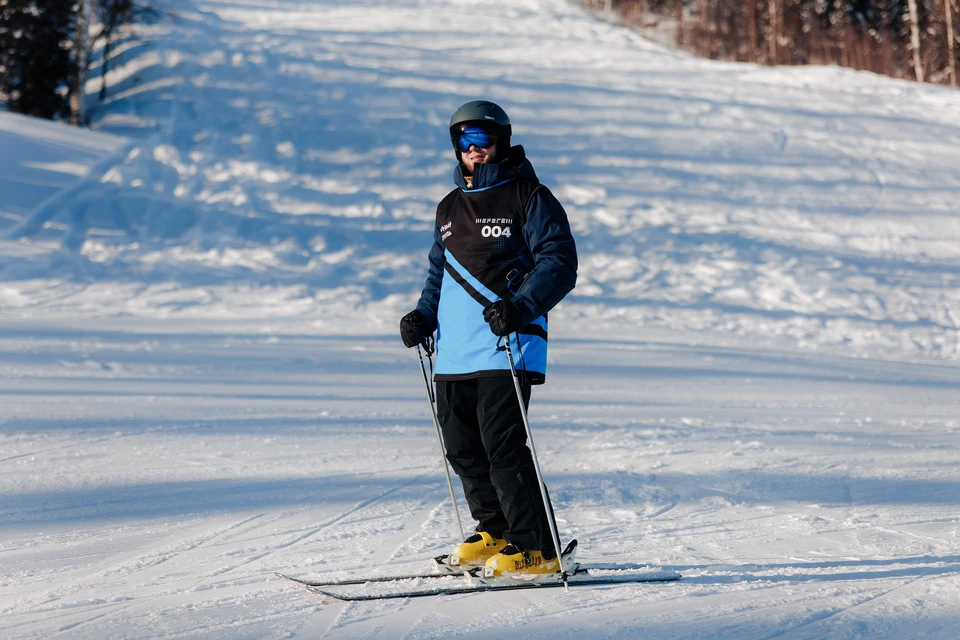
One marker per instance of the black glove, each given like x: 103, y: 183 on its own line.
x: 413, y: 329
x: 504, y: 318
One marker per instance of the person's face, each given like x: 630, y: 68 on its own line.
x: 475, y: 153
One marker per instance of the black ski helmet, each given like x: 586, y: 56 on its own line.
x: 487, y: 112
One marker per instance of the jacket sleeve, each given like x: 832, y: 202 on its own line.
x: 430, y: 297
x: 554, y: 274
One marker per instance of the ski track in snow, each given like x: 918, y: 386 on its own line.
x: 754, y: 383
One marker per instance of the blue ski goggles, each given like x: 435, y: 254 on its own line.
x: 470, y: 136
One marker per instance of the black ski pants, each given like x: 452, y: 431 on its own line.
x: 486, y: 445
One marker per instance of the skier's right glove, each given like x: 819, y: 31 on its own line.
x: 413, y: 329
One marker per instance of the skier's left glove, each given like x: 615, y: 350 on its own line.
x: 503, y: 317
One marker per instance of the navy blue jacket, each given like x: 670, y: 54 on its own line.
x: 506, y: 224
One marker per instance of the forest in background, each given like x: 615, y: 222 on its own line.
x: 46, y: 48
x: 909, y: 39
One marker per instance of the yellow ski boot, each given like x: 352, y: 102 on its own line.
x: 511, y: 562
x: 475, y: 550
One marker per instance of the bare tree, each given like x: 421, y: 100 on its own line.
x: 751, y: 50
x: 915, y: 39
x: 81, y: 57
x: 899, y: 38
x: 951, y: 37
x: 111, y: 16
x: 774, y: 35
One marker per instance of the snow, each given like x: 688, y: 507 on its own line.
x: 755, y: 382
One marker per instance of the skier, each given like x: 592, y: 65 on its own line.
x: 503, y: 256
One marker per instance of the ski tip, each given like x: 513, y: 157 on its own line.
x: 291, y: 578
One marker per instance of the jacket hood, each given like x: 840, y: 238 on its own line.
x: 485, y: 176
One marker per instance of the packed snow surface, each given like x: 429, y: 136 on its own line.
x: 754, y: 384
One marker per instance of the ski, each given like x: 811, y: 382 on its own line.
x: 443, y: 569
x: 449, y: 579
x: 582, y: 577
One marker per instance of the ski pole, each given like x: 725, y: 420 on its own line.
x: 551, y: 522
x: 436, y: 423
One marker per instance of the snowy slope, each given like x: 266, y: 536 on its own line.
x: 42, y: 159
x: 754, y: 383
x: 300, y: 148
x: 41, y: 167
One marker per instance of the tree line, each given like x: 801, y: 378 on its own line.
x: 45, y: 51
x: 912, y: 39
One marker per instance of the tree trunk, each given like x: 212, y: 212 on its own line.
x: 681, y: 34
x: 915, y: 39
x: 774, y: 31
x: 81, y: 48
x: 105, y: 68
x: 951, y: 56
